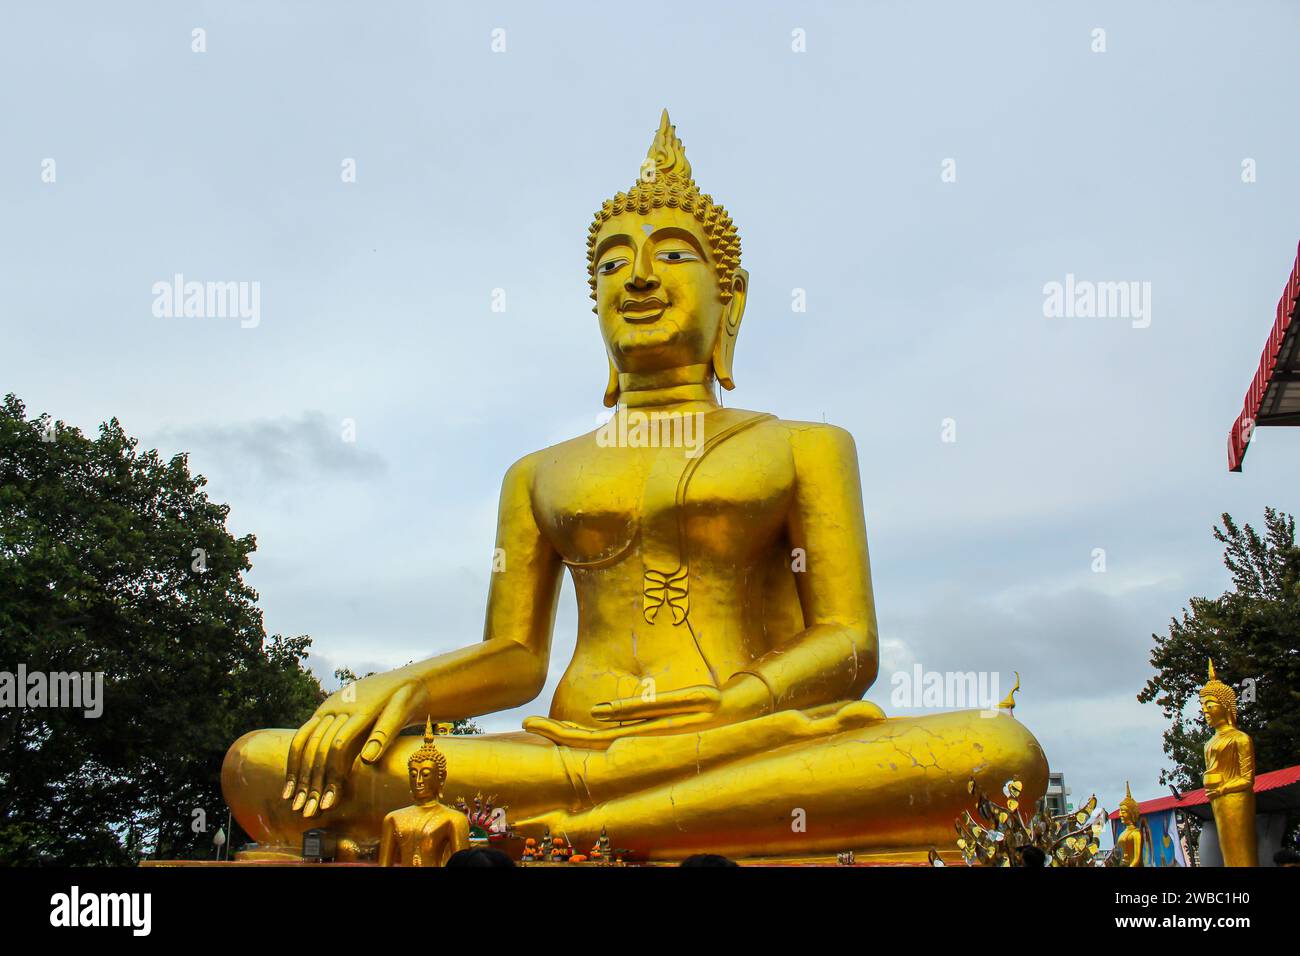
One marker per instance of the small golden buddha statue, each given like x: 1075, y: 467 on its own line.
x: 726, y: 621
x: 1229, y: 775
x: 1129, y: 844
x: 428, y: 832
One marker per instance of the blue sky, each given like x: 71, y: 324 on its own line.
x: 479, y: 170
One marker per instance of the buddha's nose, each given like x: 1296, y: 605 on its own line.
x: 643, y: 271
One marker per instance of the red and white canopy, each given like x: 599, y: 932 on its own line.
x: 1274, y: 394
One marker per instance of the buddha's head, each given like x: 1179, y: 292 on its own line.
x: 1128, y: 808
x: 664, y: 267
x: 1218, y: 702
x: 427, y: 768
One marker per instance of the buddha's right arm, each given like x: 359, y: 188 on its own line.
x: 506, y: 669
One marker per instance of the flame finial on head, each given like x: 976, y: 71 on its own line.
x: 667, y: 152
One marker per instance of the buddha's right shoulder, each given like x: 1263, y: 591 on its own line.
x: 526, y: 469
x: 570, y: 449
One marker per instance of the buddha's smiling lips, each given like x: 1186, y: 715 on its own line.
x: 645, y: 310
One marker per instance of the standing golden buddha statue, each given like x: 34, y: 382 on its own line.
x: 1129, y: 844
x: 428, y: 832
x: 726, y: 623
x: 1229, y: 775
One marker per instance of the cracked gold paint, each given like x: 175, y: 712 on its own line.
x: 729, y: 722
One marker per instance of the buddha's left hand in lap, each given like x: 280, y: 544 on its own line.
x: 685, y: 710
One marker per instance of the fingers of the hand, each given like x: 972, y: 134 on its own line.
x: 569, y: 735
x: 342, y: 751
x: 295, y: 755
x: 701, y: 698
x: 552, y: 729
x: 308, y: 757
x: 387, y: 726
x: 318, y: 760
x: 686, y: 700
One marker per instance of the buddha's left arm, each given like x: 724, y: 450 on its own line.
x: 389, y: 852
x: 836, y: 655
x: 461, y: 832
x: 1245, y: 781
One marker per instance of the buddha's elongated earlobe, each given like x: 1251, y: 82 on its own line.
x: 724, y: 349
x: 611, y: 388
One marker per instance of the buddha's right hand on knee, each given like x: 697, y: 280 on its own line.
x: 361, y: 719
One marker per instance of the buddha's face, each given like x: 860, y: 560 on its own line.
x: 657, y: 291
x: 424, y: 780
x: 1214, y: 713
x: 1128, y: 816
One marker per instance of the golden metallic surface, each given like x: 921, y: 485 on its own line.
x: 726, y: 622
x: 1129, y: 844
x: 1229, y: 775
x: 428, y: 832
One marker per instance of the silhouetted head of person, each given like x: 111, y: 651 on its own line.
x: 479, y: 856
x: 708, y: 859
x: 1286, y: 856
x: 1032, y: 856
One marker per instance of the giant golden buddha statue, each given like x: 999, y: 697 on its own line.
x: 726, y: 625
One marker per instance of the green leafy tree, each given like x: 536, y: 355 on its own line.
x: 1252, y: 632
x: 115, y: 561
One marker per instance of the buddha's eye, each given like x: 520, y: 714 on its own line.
x: 610, y: 265
x: 677, y: 255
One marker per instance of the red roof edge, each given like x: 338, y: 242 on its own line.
x: 1196, y: 798
x: 1287, y: 306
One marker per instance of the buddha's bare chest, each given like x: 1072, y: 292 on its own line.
x: 599, y: 505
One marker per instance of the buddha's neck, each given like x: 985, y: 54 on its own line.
x: 668, y: 389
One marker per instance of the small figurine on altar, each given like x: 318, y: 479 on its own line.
x: 485, y: 816
x: 600, y: 850
x: 428, y: 832
x: 1129, y: 844
x: 560, y: 850
x: 1229, y: 775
